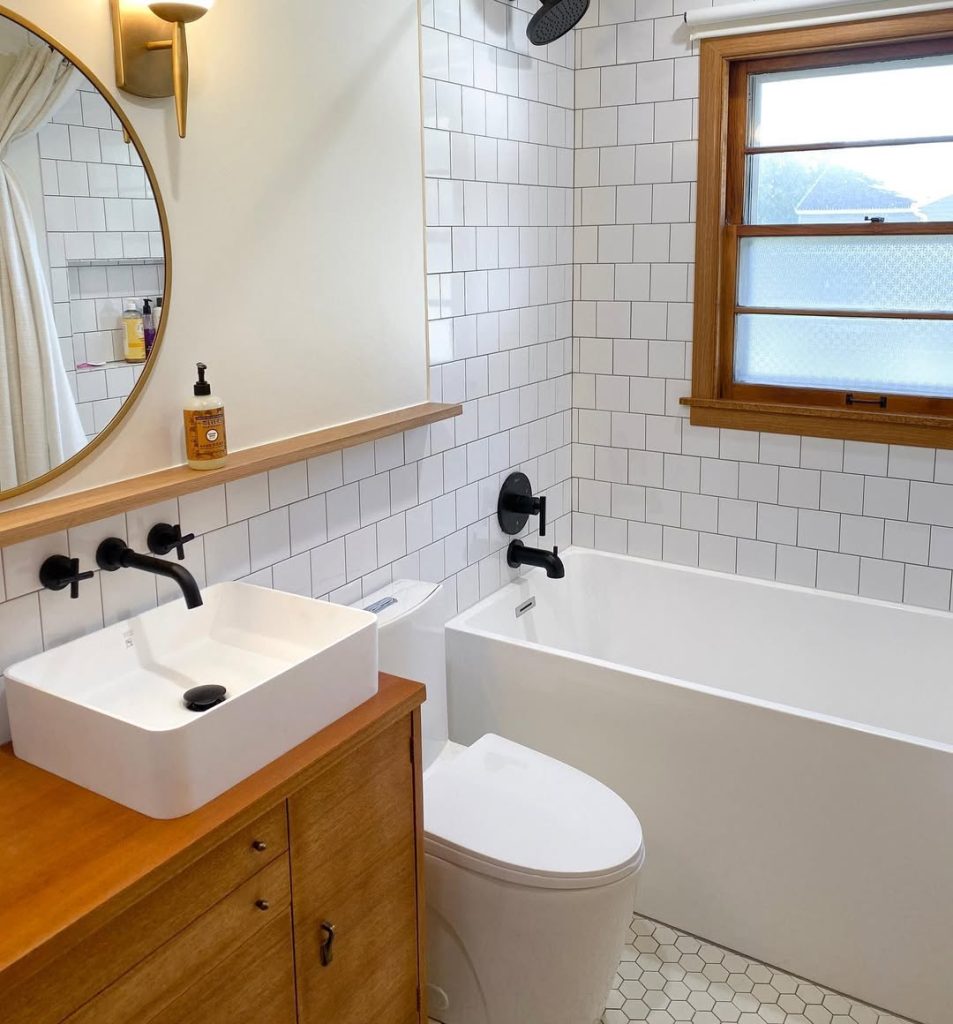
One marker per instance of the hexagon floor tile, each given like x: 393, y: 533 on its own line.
x: 666, y: 976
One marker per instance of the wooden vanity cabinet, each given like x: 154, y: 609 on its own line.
x: 309, y: 913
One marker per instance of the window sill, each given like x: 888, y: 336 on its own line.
x: 818, y: 421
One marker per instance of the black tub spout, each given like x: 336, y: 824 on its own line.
x: 519, y: 554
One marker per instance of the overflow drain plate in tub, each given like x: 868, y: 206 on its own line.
x: 204, y: 698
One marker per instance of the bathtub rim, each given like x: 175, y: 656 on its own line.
x: 459, y: 624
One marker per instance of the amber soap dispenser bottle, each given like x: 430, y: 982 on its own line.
x: 205, y: 443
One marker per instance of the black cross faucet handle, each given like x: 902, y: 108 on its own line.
x: 164, y: 538
x: 59, y: 572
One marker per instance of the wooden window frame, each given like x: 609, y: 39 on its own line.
x: 716, y: 399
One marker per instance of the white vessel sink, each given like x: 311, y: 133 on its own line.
x: 107, y: 711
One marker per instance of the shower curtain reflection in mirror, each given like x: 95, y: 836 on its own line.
x: 40, y: 427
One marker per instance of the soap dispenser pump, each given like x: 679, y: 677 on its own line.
x: 205, y: 442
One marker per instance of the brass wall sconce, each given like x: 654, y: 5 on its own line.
x: 144, y: 33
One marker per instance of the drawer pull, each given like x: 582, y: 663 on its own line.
x: 327, y: 945
x: 259, y: 846
x: 263, y: 904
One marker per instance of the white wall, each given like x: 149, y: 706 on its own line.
x: 304, y: 142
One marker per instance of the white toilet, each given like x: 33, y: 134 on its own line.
x: 531, y: 866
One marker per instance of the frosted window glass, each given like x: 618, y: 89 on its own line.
x: 900, y: 183
x: 901, y: 273
x: 898, y: 99
x: 863, y: 354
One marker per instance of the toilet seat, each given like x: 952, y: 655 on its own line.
x: 508, y: 812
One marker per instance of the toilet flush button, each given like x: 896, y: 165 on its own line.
x: 437, y: 1000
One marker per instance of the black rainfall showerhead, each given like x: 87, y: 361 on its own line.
x: 554, y: 19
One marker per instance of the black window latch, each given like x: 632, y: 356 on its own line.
x: 880, y: 402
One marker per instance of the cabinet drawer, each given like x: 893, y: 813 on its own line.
x: 108, y: 953
x: 255, y: 985
x: 202, y: 949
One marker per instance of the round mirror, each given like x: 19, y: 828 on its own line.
x: 84, y: 276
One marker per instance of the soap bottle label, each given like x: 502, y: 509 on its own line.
x: 135, y: 340
x: 205, y: 435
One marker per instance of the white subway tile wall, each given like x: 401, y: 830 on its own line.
x: 104, y: 242
x: 850, y: 517
x: 498, y: 125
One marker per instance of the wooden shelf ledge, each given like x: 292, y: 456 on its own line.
x: 44, y: 517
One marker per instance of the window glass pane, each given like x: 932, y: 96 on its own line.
x: 865, y: 354
x: 891, y: 273
x: 899, y: 183
x: 899, y: 99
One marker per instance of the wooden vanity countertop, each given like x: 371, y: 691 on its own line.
x: 71, y: 860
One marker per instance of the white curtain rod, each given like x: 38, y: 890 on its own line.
x: 766, y: 15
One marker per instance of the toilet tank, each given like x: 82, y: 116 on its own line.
x: 411, y: 617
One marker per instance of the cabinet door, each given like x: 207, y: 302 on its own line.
x: 353, y: 865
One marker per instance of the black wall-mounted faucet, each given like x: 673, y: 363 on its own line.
x: 114, y: 553
x: 516, y: 504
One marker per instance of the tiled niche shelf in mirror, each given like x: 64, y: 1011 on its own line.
x: 131, y: 262
x: 91, y: 331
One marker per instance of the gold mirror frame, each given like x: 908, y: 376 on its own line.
x: 135, y: 140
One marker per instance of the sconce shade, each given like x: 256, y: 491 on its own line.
x: 180, y: 12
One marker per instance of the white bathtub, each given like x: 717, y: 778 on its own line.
x: 789, y: 753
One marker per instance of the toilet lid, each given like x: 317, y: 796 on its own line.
x: 505, y: 810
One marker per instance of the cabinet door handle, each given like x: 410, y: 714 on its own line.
x: 327, y: 943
